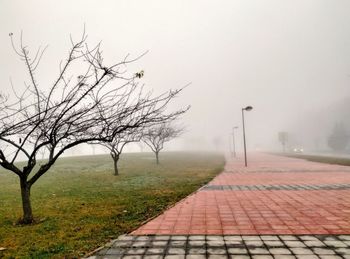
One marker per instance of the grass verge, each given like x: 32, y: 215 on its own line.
x: 320, y: 159
x: 82, y: 205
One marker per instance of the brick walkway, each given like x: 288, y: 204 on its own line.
x: 278, y: 207
x: 274, y: 195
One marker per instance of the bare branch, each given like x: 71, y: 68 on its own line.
x: 99, y: 104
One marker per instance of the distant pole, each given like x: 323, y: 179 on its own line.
x: 248, y: 108
x: 233, y: 141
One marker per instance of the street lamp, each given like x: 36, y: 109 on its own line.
x: 233, y: 141
x: 248, y: 108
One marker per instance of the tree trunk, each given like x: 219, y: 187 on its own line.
x: 26, y: 205
x: 116, y: 159
x: 157, y: 158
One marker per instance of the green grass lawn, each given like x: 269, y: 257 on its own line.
x: 82, y: 205
x: 320, y: 159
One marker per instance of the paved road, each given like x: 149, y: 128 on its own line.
x: 277, y: 207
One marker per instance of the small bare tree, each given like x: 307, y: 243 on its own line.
x: 118, y: 143
x: 77, y: 108
x: 156, y: 136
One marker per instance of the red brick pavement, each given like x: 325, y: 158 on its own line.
x: 263, y: 211
x: 311, y: 178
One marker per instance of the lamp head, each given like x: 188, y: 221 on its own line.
x: 248, y: 108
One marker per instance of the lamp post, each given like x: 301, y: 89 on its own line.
x: 233, y: 141
x: 248, y: 108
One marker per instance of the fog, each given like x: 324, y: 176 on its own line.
x: 289, y: 59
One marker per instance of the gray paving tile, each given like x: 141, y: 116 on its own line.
x: 288, y: 238
x: 279, y: 251
x: 254, y: 243
x: 132, y: 257
x: 152, y: 257
x: 177, y: 251
x: 308, y: 238
x: 233, y: 238
x: 307, y: 257
x: 335, y: 243
x: 344, y: 237
x: 217, y: 256
x: 314, y: 243
x: 330, y: 238
x: 159, y: 243
x: 258, y: 251
x: 197, y: 256
x: 196, y: 237
x: 115, y: 251
x: 143, y: 238
x: 197, y: 251
x: 270, y: 238
x: 251, y: 238
x: 140, y: 244
x: 262, y: 257
x: 197, y: 243
x: 330, y: 257
x: 215, y: 243
x: 126, y: 237
x: 296, y: 244
x: 237, y: 251
x: 122, y: 244
x: 215, y: 238
x: 323, y: 251
x: 112, y: 257
x: 155, y: 251
x: 230, y: 243
x: 177, y: 243
x: 301, y: 251
x: 216, y: 251
x: 174, y: 257
x: 161, y: 237
x: 239, y: 257
x: 179, y: 238
x: 345, y: 251
x: 273, y: 243
x: 133, y: 251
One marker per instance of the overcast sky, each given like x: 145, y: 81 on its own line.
x: 284, y: 58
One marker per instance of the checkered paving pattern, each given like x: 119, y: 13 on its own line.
x: 259, y: 200
x: 217, y: 247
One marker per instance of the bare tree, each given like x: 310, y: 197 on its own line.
x: 156, y: 136
x: 77, y: 108
x: 118, y: 143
